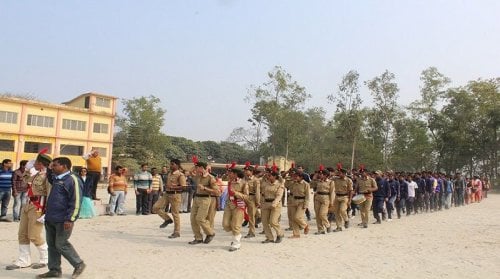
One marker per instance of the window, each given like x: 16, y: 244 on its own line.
x: 76, y: 125
x: 87, y: 102
x: 40, y: 121
x: 102, y: 151
x: 67, y: 149
x: 8, y: 117
x: 35, y: 147
x: 102, y: 102
x: 100, y: 128
x: 6, y: 145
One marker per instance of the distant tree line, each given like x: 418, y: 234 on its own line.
x: 446, y: 129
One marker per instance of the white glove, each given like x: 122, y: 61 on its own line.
x: 30, y: 164
x: 41, y: 219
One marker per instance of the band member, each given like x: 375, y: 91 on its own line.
x: 299, y: 197
x: 237, y: 192
x: 31, y: 226
x: 272, y: 191
x: 323, y: 199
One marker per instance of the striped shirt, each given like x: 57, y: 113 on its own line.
x: 6, y: 179
x: 142, y: 180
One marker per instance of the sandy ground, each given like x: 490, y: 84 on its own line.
x: 458, y: 243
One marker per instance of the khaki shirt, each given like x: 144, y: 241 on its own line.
x: 366, y: 185
x: 240, y: 189
x: 325, y: 186
x: 208, y: 181
x: 175, y: 181
x: 39, y: 183
x: 301, y: 190
x: 272, y: 193
x: 343, y: 185
x: 253, y: 187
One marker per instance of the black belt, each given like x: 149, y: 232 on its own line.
x: 173, y: 192
x: 268, y: 200
x: 202, y: 195
x: 252, y: 194
x: 299, y: 198
x: 323, y: 193
x: 341, y: 195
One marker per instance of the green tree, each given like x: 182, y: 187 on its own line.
x: 274, y: 104
x: 140, y: 137
x: 348, y: 116
x: 385, y: 94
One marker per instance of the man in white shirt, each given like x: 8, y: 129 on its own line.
x: 412, y: 185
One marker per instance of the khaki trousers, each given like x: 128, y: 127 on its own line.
x: 252, y: 211
x: 212, y: 210
x: 364, y: 209
x: 321, y: 205
x: 174, y: 200
x: 232, y: 219
x: 29, y: 228
x: 340, y: 210
x: 270, y: 219
x: 199, y: 214
x: 297, y: 213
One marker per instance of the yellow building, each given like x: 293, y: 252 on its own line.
x: 70, y: 129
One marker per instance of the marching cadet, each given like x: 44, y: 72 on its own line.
x: 176, y: 181
x: 323, y: 199
x: 237, y: 192
x: 205, y: 187
x: 253, y: 201
x: 299, y: 197
x: 366, y: 185
x: 272, y: 191
x: 343, y: 196
x: 31, y: 224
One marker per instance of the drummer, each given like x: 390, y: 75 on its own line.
x: 366, y: 185
x: 343, y: 196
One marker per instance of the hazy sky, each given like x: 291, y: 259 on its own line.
x: 201, y: 57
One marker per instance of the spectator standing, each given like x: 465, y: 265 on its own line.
x: 19, y: 191
x: 6, y: 174
x: 94, y: 170
x: 142, y: 186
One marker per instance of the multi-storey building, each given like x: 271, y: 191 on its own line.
x: 70, y: 129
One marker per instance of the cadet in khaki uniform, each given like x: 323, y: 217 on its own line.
x: 253, y: 201
x: 205, y: 187
x: 237, y: 192
x: 299, y: 196
x: 30, y: 229
x: 288, y: 181
x: 214, y: 197
x: 343, y: 195
x: 323, y: 200
x: 175, y: 182
x: 272, y: 190
x: 366, y: 185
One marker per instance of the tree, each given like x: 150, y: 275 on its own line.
x: 274, y: 103
x: 348, y: 113
x: 431, y: 93
x: 140, y: 136
x: 384, y: 91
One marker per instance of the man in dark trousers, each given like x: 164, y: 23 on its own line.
x: 380, y: 196
x: 62, y: 208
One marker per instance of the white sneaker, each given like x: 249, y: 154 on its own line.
x: 389, y: 220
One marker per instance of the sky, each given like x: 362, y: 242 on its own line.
x: 201, y: 58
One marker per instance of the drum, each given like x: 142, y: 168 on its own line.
x: 359, y: 199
